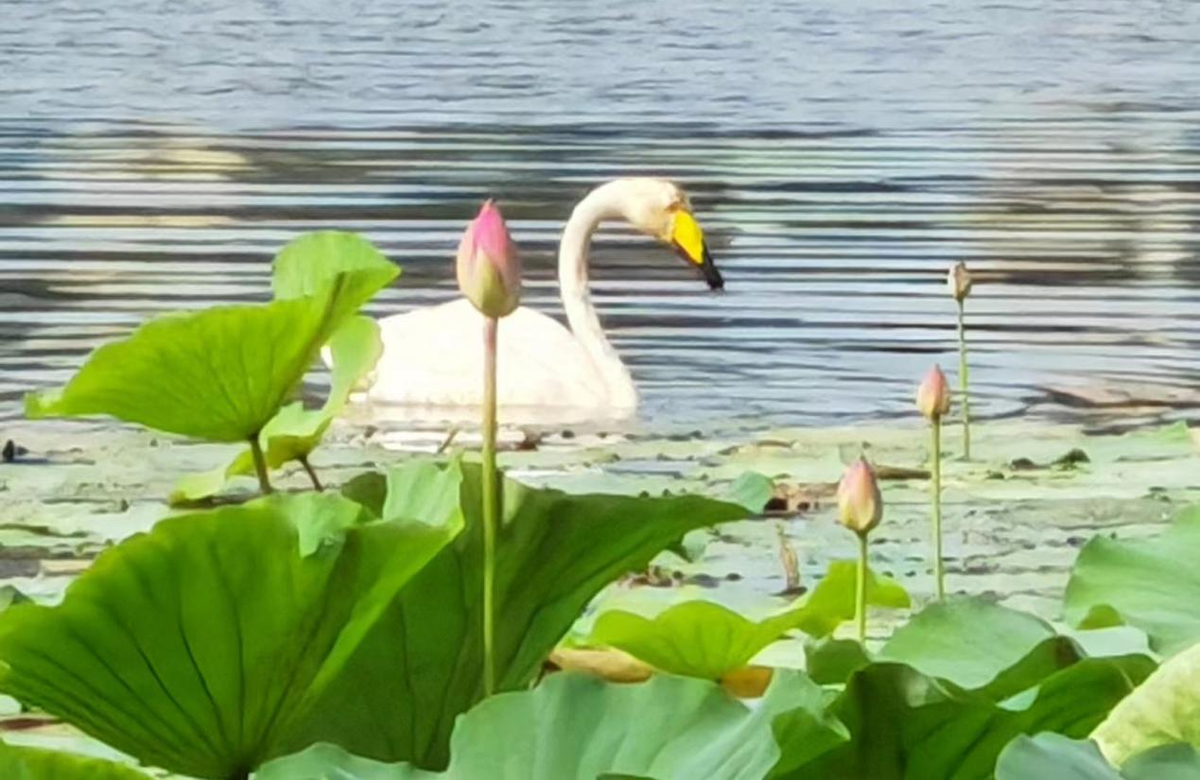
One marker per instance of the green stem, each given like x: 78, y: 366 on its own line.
x: 260, y: 465
x: 936, y: 499
x: 860, y: 592
x: 491, y: 502
x: 312, y: 474
x: 964, y: 382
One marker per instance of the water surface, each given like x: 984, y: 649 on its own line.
x: 840, y: 154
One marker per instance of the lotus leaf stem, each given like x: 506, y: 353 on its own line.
x: 964, y: 382
x: 260, y: 465
x: 860, y: 591
x: 936, y: 500
x: 312, y: 474
x: 491, y: 502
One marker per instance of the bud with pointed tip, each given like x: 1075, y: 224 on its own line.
x: 933, y: 395
x: 488, y: 266
x: 959, y: 281
x: 860, y: 506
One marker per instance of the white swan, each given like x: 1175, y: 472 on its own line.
x: 432, y: 360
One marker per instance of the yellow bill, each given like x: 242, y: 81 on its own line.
x: 688, y: 240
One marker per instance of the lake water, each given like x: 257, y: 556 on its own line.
x: 841, y: 155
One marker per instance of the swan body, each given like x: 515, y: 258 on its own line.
x: 433, y: 356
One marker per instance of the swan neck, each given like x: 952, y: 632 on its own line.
x: 600, y: 205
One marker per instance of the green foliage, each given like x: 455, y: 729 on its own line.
x: 204, y: 645
x: 1055, y: 757
x: 706, y: 640
x: 21, y: 763
x: 421, y: 666
x: 1153, y: 584
x: 573, y: 727
x: 311, y: 261
x: 1163, y: 710
x: 294, y: 432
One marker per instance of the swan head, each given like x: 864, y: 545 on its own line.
x: 660, y: 209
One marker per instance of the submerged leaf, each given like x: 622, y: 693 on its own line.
x: 1153, y: 584
x: 574, y: 727
x: 555, y: 552
x: 200, y: 646
x: 219, y: 374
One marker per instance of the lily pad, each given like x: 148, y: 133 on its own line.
x: 555, y: 552
x: 219, y: 374
x: 1153, y: 584
x: 308, y: 263
x: 204, y: 645
x: 575, y: 727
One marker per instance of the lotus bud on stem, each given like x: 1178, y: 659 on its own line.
x: 959, y: 282
x: 933, y: 399
x: 489, y: 275
x: 860, y: 508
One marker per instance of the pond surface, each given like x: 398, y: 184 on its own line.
x: 840, y: 154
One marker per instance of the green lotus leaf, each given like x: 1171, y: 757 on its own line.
x: 575, y: 727
x: 704, y: 639
x: 308, y: 263
x: 23, y: 763
x: 294, y: 432
x: 904, y: 724
x: 219, y: 374
x: 1153, y: 584
x: 555, y: 552
x: 1055, y: 757
x: 831, y: 661
x: 831, y: 602
x: 202, y: 646
x: 1163, y: 710
x: 981, y: 646
x: 694, y: 638
x: 752, y: 490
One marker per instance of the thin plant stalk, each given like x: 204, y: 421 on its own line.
x: 312, y: 474
x: 936, y: 501
x: 964, y: 382
x: 860, y: 591
x: 260, y: 465
x: 491, y: 503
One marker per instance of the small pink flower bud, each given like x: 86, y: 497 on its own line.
x: 860, y: 506
x: 933, y: 395
x: 959, y: 281
x: 489, y: 268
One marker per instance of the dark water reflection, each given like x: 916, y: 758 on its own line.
x: 841, y: 155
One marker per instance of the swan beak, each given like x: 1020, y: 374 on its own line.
x: 688, y: 240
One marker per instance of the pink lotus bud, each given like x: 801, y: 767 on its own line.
x: 959, y: 281
x: 860, y: 506
x: 489, y: 268
x: 933, y: 395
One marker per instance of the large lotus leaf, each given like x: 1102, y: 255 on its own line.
x: 704, y: 639
x: 1163, y: 710
x: 219, y: 374
x: 1055, y: 757
x: 907, y: 726
x: 576, y: 727
x: 200, y: 646
x: 294, y: 432
x: 421, y: 667
x: 22, y: 763
x: 978, y: 645
x: 310, y: 261
x: 831, y: 602
x: 1153, y: 584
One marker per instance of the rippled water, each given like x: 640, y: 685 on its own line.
x: 840, y: 154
